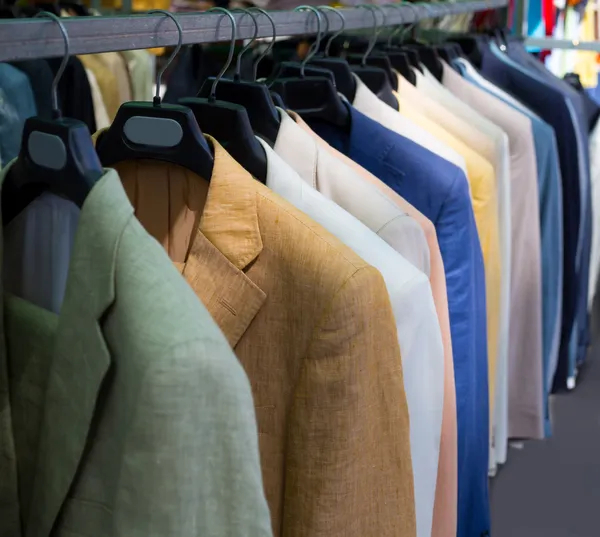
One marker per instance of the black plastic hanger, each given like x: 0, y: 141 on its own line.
x: 398, y: 58
x: 443, y: 53
x: 229, y: 122
x: 427, y: 54
x: 377, y: 58
x: 410, y: 55
x: 56, y: 155
x: 167, y: 132
x: 469, y: 44
x: 375, y: 78
x: 252, y: 95
x: 339, y: 67
x: 312, y: 97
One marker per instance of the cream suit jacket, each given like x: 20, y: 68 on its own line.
x: 416, y: 319
x: 446, y: 492
x: 130, y: 414
x: 525, y: 376
x: 313, y: 327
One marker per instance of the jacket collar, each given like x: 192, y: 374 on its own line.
x: 81, y: 357
x: 229, y: 219
x: 230, y: 216
x: 368, y: 103
x: 228, y: 241
x: 296, y: 147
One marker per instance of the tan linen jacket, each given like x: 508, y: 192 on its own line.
x: 313, y: 327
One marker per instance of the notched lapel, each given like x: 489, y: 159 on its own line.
x: 230, y: 296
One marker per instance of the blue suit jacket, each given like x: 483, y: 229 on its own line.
x: 440, y: 191
x: 551, y: 217
x: 550, y: 104
x: 16, y: 105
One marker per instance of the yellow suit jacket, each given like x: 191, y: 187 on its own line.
x: 313, y: 327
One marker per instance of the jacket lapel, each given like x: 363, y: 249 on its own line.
x: 227, y: 242
x: 230, y: 296
x: 81, y: 358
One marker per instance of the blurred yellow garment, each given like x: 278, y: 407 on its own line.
x: 112, y: 76
x: 585, y: 60
x: 107, y: 81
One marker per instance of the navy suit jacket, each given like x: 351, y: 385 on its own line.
x: 440, y: 191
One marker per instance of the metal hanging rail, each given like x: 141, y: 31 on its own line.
x: 565, y: 44
x: 23, y: 39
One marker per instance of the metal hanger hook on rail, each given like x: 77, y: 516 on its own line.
x: 213, y: 90
x: 413, y: 24
x: 56, y: 111
x: 237, y: 76
x: 159, y: 74
x: 271, y: 44
x: 336, y: 34
x: 398, y: 28
x: 312, y: 50
x: 376, y: 31
x: 383, y: 22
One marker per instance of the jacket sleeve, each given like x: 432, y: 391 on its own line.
x: 348, y: 461
x: 199, y: 474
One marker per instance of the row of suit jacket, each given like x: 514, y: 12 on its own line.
x: 343, y: 350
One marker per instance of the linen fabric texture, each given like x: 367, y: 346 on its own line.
x: 313, y: 327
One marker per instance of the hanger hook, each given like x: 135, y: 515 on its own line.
x: 376, y: 31
x: 160, y: 73
x: 213, y: 90
x: 63, y: 64
x: 413, y: 24
x: 339, y: 32
x: 396, y: 30
x: 315, y: 46
x: 271, y: 44
x: 238, y: 62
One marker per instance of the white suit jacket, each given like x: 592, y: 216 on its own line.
x: 370, y: 105
x: 418, y: 327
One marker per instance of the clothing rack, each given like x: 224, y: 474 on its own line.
x: 565, y: 44
x: 24, y: 39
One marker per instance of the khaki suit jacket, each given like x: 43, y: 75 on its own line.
x: 313, y: 327
x: 131, y: 417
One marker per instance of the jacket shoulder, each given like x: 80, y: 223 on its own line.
x: 282, y: 225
